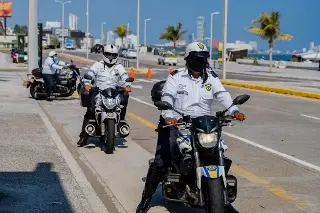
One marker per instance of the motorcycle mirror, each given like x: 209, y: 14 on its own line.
x: 87, y: 76
x: 130, y: 79
x: 241, y: 99
x: 163, y: 105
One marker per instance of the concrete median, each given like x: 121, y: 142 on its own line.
x: 279, y: 90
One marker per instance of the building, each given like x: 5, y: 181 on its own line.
x: 200, y: 28
x: 311, y: 47
x: 254, y: 45
x: 73, y: 21
x: 110, y: 37
x: 130, y: 42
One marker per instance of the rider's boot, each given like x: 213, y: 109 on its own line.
x: 152, y: 181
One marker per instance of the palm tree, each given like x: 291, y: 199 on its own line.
x: 121, y: 31
x: 269, y: 29
x: 173, y: 34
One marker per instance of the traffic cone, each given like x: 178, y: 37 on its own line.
x: 149, y: 73
x: 131, y: 73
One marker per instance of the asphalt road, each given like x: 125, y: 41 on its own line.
x: 144, y: 63
x: 269, y: 180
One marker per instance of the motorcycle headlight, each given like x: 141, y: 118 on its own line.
x: 109, y: 103
x: 208, y: 140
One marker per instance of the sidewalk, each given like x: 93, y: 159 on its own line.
x: 35, y: 172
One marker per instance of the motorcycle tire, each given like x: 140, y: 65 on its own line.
x: 214, y: 195
x: 33, y: 91
x: 109, y: 137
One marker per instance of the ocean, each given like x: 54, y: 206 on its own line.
x: 265, y: 56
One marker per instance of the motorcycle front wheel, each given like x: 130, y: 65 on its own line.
x: 109, y: 137
x: 214, y: 195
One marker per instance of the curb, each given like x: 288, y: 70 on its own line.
x: 90, y: 61
x: 273, y: 89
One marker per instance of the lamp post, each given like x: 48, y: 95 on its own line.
x: 87, y: 13
x: 224, y: 54
x: 145, y: 31
x: 63, y: 3
x: 211, y: 28
x: 138, y: 29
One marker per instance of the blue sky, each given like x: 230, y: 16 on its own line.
x: 299, y: 17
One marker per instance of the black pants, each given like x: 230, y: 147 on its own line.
x: 162, y: 161
x: 50, y: 83
x: 90, y: 111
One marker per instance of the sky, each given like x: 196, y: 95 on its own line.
x: 298, y: 17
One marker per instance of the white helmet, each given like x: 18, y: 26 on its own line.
x: 110, y: 54
x: 196, y: 57
x: 52, y: 53
x: 196, y: 49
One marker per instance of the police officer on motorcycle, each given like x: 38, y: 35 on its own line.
x: 191, y: 91
x: 50, y: 67
x: 105, y: 73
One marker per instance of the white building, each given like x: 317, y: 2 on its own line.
x: 311, y: 47
x: 52, y: 24
x: 130, y: 42
x: 254, y: 45
x: 200, y: 28
x: 73, y: 21
x: 110, y: 37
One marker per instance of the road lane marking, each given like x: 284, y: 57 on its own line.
x: 136, y: 86
x: 283, y: 155
x: 309, y: 116
x: 276, y: 190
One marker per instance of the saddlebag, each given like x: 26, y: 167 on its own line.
x: 156, y: 91
x: 37, y: 73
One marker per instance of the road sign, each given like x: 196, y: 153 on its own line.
x: 68, y: 43
x: 62, y: 32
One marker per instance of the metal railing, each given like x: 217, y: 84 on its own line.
x: 125, y: 63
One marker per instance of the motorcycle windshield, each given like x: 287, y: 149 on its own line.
x: 110, y: 93
x: 205, y: 124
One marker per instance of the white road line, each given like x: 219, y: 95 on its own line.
x: 309, y: 116
x: 283, y: 155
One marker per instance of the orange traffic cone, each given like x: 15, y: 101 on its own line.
x: 149, y: 73
x: 131, y: 73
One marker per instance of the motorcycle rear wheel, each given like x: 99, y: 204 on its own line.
x: 214, y: 195
x: 109, y: 137
x: 34, y: 90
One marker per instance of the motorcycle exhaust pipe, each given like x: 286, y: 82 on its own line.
x: 124, y: 129
x: 90, y: 129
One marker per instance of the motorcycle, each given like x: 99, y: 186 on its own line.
x: 65, y: 83
x: 107, y: 123
x: 198, y: 175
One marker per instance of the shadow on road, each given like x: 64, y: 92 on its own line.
x: 36, y: 191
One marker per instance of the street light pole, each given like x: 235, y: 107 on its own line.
x: 87, y: 29
x: 138, y: 29
x: 32, y: 35
x: 63, y: 3
x: 102, y: 34
x: 224, y: 54
x: 215, y: 13
x: 145, y: 31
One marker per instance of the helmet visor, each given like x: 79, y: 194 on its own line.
x: 110, y: 56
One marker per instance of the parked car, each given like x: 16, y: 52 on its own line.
x: 25, y: 56
x: 122, y: 52
x: 168, y: 58
x: 97, y: 48
x: 14, y: 55
x: 131, y: 53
